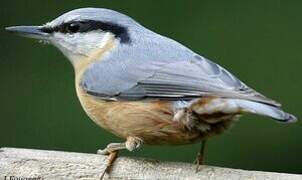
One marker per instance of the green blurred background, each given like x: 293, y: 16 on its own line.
x: 257, y: 40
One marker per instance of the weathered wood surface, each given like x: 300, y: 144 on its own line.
x: 41, y: 164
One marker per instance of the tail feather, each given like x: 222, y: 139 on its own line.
x: 265, y: 110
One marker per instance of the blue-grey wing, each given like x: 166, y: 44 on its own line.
x: 129, y: 75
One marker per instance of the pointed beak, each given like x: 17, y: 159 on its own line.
x: 35, y: 32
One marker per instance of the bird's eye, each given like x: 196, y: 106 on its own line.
x: 73, y: 27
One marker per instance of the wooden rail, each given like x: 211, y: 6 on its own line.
x: 32, y: 164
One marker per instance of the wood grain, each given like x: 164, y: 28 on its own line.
x: 69, y: 165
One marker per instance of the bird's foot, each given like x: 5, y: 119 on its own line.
x: 112, y: 149
x: 111, y: 158
x: 200, y: 156
x: 199, y: 162
x: 131, y: 144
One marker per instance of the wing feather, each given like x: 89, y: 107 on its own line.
x: 134, y: 75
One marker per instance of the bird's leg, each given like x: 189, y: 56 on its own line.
x: 112, y: 149
x: 200, y: 156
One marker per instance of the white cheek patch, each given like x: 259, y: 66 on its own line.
x: 63, y: 43
x: 81, y: 44
x: 60, y: 40
x: 89, y: 42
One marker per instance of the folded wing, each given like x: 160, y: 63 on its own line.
x: 170, y: 79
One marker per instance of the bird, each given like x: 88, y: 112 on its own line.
x: 147, y: 88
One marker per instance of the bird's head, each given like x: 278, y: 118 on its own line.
x: 82, y: 32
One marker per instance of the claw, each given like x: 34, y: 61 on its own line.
x: 102, y: 152
x: 112, y: 157
x: 199, y: 162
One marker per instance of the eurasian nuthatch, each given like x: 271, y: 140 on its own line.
x: 144, y: 87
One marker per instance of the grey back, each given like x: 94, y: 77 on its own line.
x: 152, y: 66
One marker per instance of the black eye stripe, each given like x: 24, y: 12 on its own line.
x: 90, y: 25
x: 74, y: 27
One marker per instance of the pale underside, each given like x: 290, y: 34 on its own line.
x: 159, y: 122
